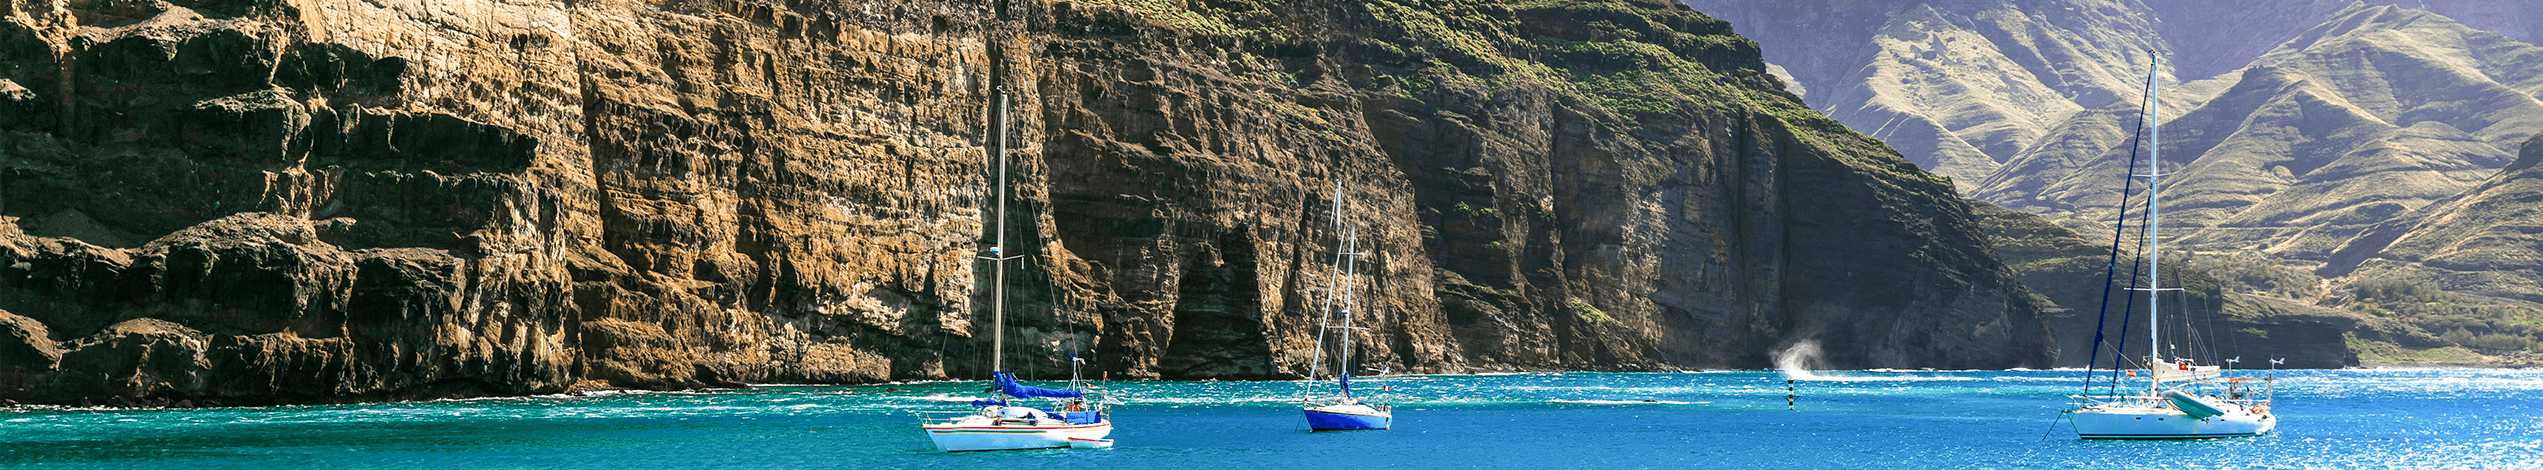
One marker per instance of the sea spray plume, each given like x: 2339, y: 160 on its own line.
x: 1795, y: 361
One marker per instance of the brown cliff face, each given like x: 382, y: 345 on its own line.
x: 251, y: 202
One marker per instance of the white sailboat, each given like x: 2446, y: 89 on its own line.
x: 1075, y: 419
x: 2181, y: 400
x: 1341, y: 412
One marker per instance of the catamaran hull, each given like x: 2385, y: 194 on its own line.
x: 1326, y: 421
x: 2168, y: 424
x: 952, y: 438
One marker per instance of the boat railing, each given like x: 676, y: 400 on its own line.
x: 2084, y: 401
x: 2235, y: 392
x: 1098, y: 397
x: 939, y: 416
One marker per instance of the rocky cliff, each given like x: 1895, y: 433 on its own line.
x: 2304, y: 133
x: 1960, y: 87
x: 2354, y: 122
x: 1965, y: 87
x: 231, y: 202
x: 2479, y: 242
x: 2297, y: 123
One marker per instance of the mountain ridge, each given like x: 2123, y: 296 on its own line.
x: 2299, y: 135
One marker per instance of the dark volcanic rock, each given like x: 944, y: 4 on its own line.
x: 274, y: 202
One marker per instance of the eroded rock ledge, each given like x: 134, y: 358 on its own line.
x: 243, y: 202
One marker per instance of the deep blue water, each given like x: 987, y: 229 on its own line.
x: 1983, y: 419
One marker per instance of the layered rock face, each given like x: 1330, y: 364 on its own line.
x: 2302, y: 134
x: 2216, y: 38
x: 2479, y: 242
x: 2358, y: 120
x: 1966, y: 87
x: 257, y: 202
x: 1959, y: 87
x: 2297, y: 123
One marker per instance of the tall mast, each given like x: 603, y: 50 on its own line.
x: 998, y: 250
x: 1350, y: 276
x: 1324, y: 317
x: 2154, y: 212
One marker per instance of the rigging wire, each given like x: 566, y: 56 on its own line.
x: 1324, y: 319
x: 2119, y: 231
x: 2111, y: 269
x: 2127, y: 319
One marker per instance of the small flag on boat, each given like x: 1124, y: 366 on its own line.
x: 2278, y: 361
x: 2132, y: 373
x: 2235, y: 360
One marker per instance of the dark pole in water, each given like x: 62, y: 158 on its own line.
x: 1792, y: 396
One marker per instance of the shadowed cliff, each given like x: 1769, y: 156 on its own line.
x: 256, y: 202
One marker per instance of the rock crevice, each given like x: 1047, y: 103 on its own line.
x: 343, y: 201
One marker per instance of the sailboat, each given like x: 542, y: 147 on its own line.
x: 999, y: 422
x: 2181, y: 399
x: 1341, y: 412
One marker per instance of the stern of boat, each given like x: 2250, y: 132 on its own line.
x: 1348, y: 418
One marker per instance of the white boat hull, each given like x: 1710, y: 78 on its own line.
x: 961, y: 437
x: 2166, y: 423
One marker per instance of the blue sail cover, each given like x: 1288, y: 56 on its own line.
x: 1006, y: 383
x: 1346, y: 384
x: 1078, y: 417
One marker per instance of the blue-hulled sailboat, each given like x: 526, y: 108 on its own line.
x: 1342, y: 411
x: 1074, y: 419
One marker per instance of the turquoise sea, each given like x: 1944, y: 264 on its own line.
x: 1922, y: 419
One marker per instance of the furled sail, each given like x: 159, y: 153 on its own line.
x: 1006, y: 383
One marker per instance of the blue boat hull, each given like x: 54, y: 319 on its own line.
x: 1321, y: 421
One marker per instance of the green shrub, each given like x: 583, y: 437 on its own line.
x: 1589, y: 312
x: 2492, y: 341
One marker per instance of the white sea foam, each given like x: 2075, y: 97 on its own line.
x: 1864, y: 378
x: 1205, y: 400
x: 1796, y: 361
x: 940, y: 398
x: 620, y: 392
x: 2037, y: 379
x: 1625, y: 402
